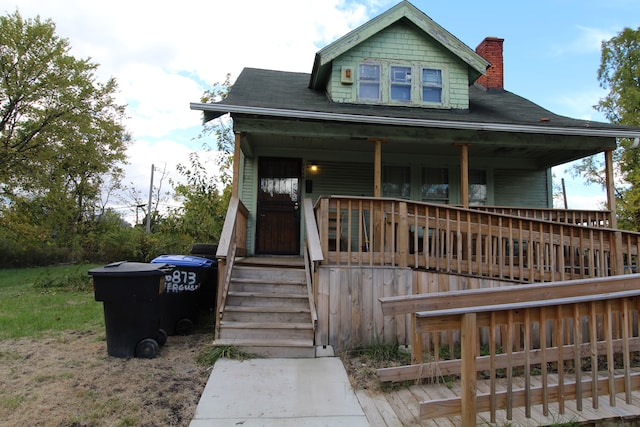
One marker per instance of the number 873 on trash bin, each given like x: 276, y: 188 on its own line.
x: 181, y: 280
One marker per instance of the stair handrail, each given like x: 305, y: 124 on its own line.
x: 312, y: 255
x: 310, y: 292
x: 232, y: 238
x: 312, y: 235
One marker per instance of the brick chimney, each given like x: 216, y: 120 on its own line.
x: 491, y: 49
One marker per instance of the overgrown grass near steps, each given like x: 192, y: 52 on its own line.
x: 36, y: 302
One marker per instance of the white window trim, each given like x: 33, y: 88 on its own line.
x: 411, y: 85
x: 379, y: 99
x: 384, y: 95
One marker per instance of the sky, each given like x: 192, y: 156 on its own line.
x: 164, y: 55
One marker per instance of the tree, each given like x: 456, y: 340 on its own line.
x: 619, y: 73
x: 61, y: 131
x: 204, y: 206
x: 221, y: 129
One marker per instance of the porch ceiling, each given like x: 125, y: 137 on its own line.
x: 271, y: 134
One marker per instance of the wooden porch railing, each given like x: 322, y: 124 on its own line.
x: 378, y: 231
x: 232, y: 242
x: 579, y: 338
x: 589, y: 218
x: 312, y: 256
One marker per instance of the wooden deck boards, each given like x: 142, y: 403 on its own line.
x: 401, y: 407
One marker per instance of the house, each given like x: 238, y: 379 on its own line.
x: 399, y: 165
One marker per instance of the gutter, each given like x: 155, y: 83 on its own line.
x: 398, y: 121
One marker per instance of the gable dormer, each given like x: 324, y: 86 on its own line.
x: 402, y: 58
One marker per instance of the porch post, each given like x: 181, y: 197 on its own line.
x: 464, y: 174
x: 377, y: 169
x: 611, y: 194
x: 468, y: 372
x: 617, y: 262
x: 236, y: 165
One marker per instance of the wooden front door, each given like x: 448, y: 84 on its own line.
x: 278, y: 220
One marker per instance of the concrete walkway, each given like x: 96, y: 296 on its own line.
x: 279, y: 392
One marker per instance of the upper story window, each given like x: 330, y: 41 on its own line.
x: 369, y: 82
x: 413, y: 85
x: 431, y: 85
x: 400, y: 81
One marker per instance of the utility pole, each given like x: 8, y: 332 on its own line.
x: 149, y: 207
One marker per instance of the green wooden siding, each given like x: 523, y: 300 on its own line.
x: 248, y: 186
x: 334, y: 178
x: 521, y: 188
x: 402, y: 44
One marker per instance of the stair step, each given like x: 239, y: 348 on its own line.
x: 265, y: 314
x: 265, y: 325
x: 278, y: 295
x: 250, y: 285
x: 266, y: 331
x: 273, y: 348
x: 258, y: 342
x: 274, y: 275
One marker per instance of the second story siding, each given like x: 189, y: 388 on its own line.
x: 401, y: 48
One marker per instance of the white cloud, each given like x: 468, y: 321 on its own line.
x: 580, y: 105
x: 588, y: 40
x: 150, y: 47
x: 165, y: 54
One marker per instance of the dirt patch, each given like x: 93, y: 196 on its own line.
x: 362, y: 367
x: 71, y: 381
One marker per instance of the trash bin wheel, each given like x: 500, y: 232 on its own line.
x: 162, y: 337
x: 184, y: 327
x: 148, y: 348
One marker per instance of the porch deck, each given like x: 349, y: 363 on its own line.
x: 402, y: 408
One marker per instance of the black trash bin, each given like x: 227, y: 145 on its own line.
x: 130, y: 292
x: 189, y: 288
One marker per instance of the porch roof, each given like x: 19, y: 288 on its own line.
x: 286, y: 94
x: 496, y: 120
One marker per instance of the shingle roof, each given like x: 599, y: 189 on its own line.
x: 289, y: 91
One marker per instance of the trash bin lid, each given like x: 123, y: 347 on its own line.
x: 126, y: 268
x: 184, y: 261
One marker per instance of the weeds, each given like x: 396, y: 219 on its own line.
x: 382, y: 353
x: 362, y: 364
x: 210, y: 355
x: 76, y: 281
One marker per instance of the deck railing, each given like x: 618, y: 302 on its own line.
x: 588, y: 218
x: 392, y: 232
x: 232, y: 243
x: 574, y: 340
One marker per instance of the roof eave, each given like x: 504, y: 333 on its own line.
x: 212, y: 111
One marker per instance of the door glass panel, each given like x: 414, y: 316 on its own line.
x: 279, y: 189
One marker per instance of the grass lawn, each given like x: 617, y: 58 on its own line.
x: 37, y: 302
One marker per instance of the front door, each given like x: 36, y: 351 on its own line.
x: 278, y: 220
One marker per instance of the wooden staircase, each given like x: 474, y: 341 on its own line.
x: 267, y: 308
